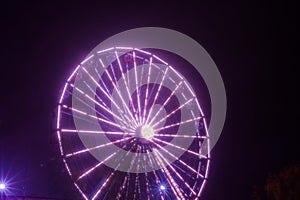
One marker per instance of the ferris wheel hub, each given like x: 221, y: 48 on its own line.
x: 145, y: 132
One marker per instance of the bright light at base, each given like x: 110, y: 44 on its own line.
x: 147, y: 132
x: 162, y: 187
x: 2, y: 186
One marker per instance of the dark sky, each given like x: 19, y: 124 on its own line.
x: 250, y: 43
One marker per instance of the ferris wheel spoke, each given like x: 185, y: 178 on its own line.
x: 78, y: 118
x: 94, y: 93
x: 147, y: 90
x: 182, y: 171
x: 107, y: 90
x: 179, y: 136
x: 96, y: 102
x: 96, y: 166
x: 137, y: 88
x: 132, y: 163
x: 146, y: 175
x: 97, y: 147
x: 147, y: 185
x: 98, y: 118
x: 120, y: 111
x: 128, y: 177
x: 169, y: 178
x: 156, y: 95
x: 157, y: 180
x: 119, y: 195
x: 136, y: 184
x: 95, y: 132
x: 127, y: 88
x: 177, y: 174
x: 127, y: 185
x: 171, y: 113
x: 101, y: 79
x: 171, y: 181
x: 104, y: 117
x: 177, y: 124
x: 81, y: 192
x: 114, y: 75
x: 114, y: 82
x: 182, y: 162
x: 165, y: 103
x: 178, y: 147
x: 89, y: 106
x: 109, y: 177
x: 103, y: 185
x: 108, y: 96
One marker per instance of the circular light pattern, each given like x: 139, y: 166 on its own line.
x: 130, y: 126
x: 2, y: 186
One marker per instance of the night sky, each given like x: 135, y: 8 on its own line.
x: 250, y: 43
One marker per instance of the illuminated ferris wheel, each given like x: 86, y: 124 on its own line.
x: 130, y: 126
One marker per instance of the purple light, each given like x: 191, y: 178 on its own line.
x: 124, y: 48
x: 133, y: 106
x: 105, y: 50
x: 146, y: 52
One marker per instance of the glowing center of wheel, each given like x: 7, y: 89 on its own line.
x: 147, y: 132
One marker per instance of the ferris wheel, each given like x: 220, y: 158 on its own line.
x: 130, y: 126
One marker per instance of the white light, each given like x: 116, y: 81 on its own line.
x: 2, y: 186
x: 126, y: 48
x: 147, y: 132
x: 162, y: 187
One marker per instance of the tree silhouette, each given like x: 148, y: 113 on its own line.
x: 282, y: 186
x: 285, y: 185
